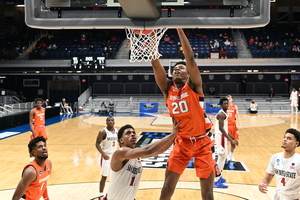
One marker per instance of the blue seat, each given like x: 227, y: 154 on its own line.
x: 283, y: 53
x: 229, y: 54
x: 173, y: 54
x: 272, y: 54
x: 277, y: 54
x: 260, y: 54
x: 254, y: 54
x: 266, y: 54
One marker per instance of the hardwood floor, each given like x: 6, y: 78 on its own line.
x: 76, y: 170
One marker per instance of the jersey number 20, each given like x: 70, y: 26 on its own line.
x: 179, y: 107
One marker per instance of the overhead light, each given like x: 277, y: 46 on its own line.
x: 293, y: 70
x: 2, y: 76
x: 20, y: 6
x: 37, y: 72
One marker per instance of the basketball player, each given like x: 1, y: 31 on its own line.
x: 106, y: 144
x: 285, y: 166
x: 33, y: 184
x: 126, y: 162
x: 294, y: 101
x: 218, y: 173
x: 234, y: 125
x: 222, y: 138
x: 183, y: 95
x: 37, y: 120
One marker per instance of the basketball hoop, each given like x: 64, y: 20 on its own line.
x: 144, y: 44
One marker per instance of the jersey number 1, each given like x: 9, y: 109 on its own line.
x: 132, y: 183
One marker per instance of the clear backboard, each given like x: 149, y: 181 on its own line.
x: 146, y: 14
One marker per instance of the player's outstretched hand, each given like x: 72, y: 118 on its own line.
x: 175, y: 126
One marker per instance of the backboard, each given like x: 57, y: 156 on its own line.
x: 119, y: 14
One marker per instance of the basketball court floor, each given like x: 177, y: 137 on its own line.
x: 71, y: 148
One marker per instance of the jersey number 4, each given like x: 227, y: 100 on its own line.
x: 283, y: 181
x: 179, y: 107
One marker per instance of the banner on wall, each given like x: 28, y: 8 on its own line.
x: 212, y: 107
x: 148, y: 107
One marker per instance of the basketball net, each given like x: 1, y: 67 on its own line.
x: 144, y: 44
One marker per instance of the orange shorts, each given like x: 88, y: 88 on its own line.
x: 232, y: 129
x: 186, y: 148
x: 39, y: 131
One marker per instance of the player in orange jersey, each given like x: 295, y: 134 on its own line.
x: 33, y: 184
x: 37, y: 120
x: 234, y: 125
x: 183, y: 95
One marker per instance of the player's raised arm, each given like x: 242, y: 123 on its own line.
x: 195, y: 81
x: 127, y: 150
x: 160, y: 76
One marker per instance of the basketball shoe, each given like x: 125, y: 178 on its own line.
x: 231, y: 165
x: 219, y: 184
x: 223, y: 180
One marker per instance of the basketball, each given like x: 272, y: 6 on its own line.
x: 142, y: 32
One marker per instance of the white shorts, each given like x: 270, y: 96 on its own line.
x: 221, y: 144
x: 280, y: 197
x: 105, y: 165
x: 294, y: 103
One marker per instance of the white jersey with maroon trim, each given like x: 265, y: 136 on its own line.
x: 287, y: 173
x: 124, y: 184
x: 110, y: 143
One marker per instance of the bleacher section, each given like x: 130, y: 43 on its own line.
x: 285, y: 36
x: 203, y: 41
x: 200, y: 41
x: 68, y: 43
x: 130, y: 104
